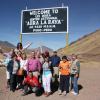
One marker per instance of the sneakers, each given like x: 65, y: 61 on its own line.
x: 64, y: 93
x: 24, y: 94
x: 74, y: 93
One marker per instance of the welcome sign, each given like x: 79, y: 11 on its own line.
x: 45, y: 20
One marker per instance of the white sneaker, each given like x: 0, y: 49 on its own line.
x: 64, y: 93
x: 74, y: 93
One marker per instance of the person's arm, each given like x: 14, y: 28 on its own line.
x: 39, y: 65
x: 27, y: 66
x: 58, y: 61
x: 59, y: 69
x: 78, y: 66
x: 59, y: 66
x: 24, y: 81
x: 68, y: 67
x: 78, y: 69
x: 9, y: 66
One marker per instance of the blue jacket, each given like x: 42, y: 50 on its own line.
x: 55, y: 60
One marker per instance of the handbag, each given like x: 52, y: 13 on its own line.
x: 20, y: 71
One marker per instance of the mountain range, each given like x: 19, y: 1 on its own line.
x: 6, y: 47
x: 87, y: 47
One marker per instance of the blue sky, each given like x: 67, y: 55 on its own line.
x: 84, y: 18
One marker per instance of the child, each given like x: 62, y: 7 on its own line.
x: 64, y: 68
x: 46, y: 77
x: 31, y: 84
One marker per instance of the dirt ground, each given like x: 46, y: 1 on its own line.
x: 89, y: 83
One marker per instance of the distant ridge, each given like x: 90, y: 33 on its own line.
x: 6, y: 46
x: 44, y: 48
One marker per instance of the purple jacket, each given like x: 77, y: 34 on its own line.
x: 33, y: 65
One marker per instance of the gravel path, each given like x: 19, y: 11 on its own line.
x: 89, y: 83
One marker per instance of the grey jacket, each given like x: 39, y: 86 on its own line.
x: 75, y: 67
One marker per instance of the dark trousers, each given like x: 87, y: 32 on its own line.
x: 28, y: 89
x: 13, y: 82
x: 64, y: 83
x: 8, y: 82
x: 20, y: 79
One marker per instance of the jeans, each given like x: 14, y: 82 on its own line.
x: 74, y: 81
x: 28, y: 88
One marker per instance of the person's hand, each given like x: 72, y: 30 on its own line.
x: 58, y: 79
x: 35, y: 84
x: 23, y: 83
x: 76, y: 75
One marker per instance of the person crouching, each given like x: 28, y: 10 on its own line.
x: 31, y: 84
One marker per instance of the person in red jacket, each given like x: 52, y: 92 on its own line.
x: 31, y: 84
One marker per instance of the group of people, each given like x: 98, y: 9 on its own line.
x: 39, y: 71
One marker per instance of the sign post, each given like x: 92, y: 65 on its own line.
x: 67, y: 34
x: 20, y: 38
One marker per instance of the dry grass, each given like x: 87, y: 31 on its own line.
x: 87, y: 46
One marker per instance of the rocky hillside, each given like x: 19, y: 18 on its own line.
x: 6, y: 46
x: 87, y: 47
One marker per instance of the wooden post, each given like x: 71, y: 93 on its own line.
x: 20, y: 38
x: 67, y: 43
x: 67, y: 40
